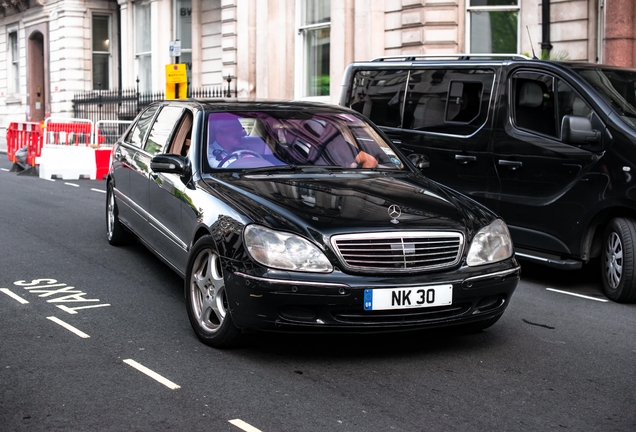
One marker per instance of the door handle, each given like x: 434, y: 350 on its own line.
x: 512, y: 165
x: 464, y: 159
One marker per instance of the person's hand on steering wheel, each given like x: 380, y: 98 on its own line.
x: 238, y: 154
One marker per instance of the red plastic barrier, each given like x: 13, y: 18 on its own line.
x: 102, y: 162
x: 68, y: 133
x: 20, y: 134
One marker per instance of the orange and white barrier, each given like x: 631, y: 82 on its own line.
x: 66, y: 148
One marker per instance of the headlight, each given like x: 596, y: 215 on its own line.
x: 284, y: 251
x: 491, y: 244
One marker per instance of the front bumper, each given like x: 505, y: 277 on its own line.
x: 336, y: 304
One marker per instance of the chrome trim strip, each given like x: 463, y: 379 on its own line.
x: 492, y: 275
x: 292, y: 282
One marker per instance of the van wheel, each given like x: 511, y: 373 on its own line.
x: 619, y: 260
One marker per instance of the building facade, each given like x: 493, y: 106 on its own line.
x: 51, y: 50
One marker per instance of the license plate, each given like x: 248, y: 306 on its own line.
x: 405, y: 298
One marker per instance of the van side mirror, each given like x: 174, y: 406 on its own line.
x: 578, y: 130
x: 419, y: 160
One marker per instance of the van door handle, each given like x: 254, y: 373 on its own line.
x: 512, y: 165
x: 464, y: 159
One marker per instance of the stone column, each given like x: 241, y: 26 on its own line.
x: 619, y: 40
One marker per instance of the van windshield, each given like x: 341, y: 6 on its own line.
x: 617, y: 87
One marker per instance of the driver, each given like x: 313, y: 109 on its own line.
x: 225, y: 133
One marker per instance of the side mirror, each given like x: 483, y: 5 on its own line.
x: 419, y: 160
x: 169, y: 163
x: 578, y: 130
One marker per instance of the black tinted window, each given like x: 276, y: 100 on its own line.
x: 534, y: 102
x: 379, y: 95
x: 448, y: 101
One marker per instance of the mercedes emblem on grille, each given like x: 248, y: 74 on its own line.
x: 394, y: 213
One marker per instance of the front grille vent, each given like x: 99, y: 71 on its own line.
x: 411, y: 251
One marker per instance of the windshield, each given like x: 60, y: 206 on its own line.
x: 288, y: 139
x: 617, y: 88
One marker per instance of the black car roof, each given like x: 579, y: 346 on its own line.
x: 256, y: 104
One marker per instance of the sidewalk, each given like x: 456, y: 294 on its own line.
x: 3, y: 140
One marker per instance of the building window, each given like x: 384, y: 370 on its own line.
x: 315, y: 33
x: 493, y: 26
x: 14, y: 73
x: 183, y: 33
x: 143, y: 54
x: 101, y: 52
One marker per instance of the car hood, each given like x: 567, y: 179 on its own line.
x: 349, y: 202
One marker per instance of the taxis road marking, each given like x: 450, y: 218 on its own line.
x: 244, y: 426
x: 68, y: 327
x: 577, y: 295
x: 152, y: 374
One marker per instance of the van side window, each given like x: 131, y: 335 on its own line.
x: 448, y: 101
x: 534, y: 105
x: 379, y: 95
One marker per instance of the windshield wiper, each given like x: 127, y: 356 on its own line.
x: 303, y: 168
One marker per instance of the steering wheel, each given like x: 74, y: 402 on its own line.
x: 237, y: 155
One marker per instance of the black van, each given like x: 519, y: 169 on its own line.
x: 548, y: 145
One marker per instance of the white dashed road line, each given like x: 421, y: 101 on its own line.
x: 72, y: 184
x: 578, y: 295
x: 13, y: 295
x: 68, y: 327
x: 98, y: 190
x: 4, y: 169
x: 244, y: 426
x: 152, y: 374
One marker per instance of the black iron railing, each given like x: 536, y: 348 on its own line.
x: 126, y: 104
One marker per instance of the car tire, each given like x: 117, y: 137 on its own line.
x: 619, y: 260
x: 206, y: 297
x: 116, y: 233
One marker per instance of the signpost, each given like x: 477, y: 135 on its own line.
x: 176, y: 75
x: 176, y: 81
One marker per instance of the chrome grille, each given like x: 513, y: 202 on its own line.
x: 421, y: 250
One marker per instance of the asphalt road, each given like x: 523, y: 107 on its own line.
x: 79, y: 319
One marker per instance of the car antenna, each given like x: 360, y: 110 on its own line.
x: 534, y: 56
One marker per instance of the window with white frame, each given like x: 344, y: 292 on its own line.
x: 143, y: 48
x: 14, y: 65
x: 493, y: 26
x: 314, y: 32
x: 183, y: 33
x: 101, y: 52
